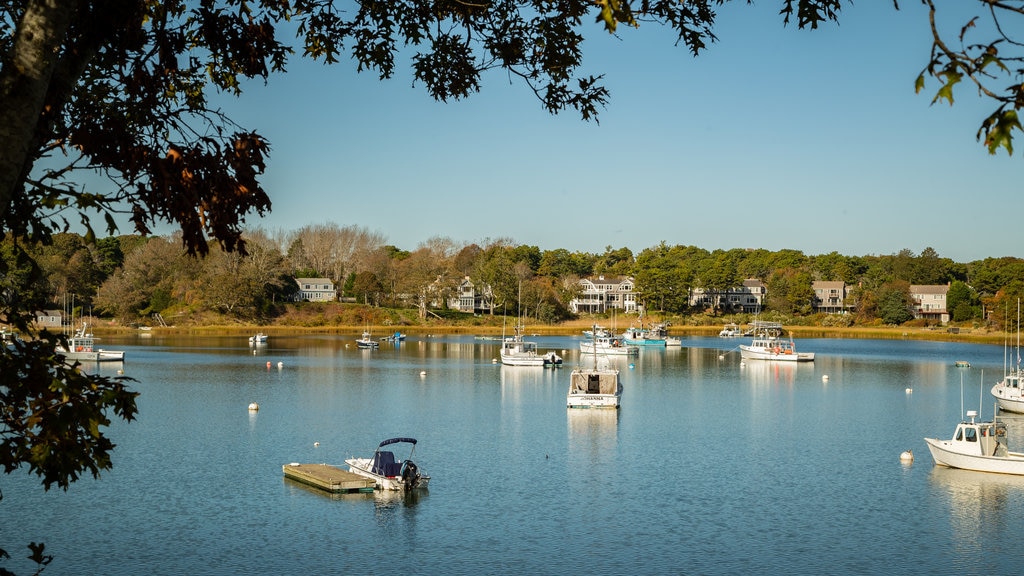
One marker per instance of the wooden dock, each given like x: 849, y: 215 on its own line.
x: 327, y: 477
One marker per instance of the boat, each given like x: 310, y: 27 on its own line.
x: 1008, y: 393
x: 82, y: 348
x: 642, y: 337
x: 730, y: 331
x: 962, y: 364
x: 608, y: 345
x: 367, y: 341
x: 387, y: 472
x: 978, y: 446
x: 258, y: 338
x: 597, y: 330
x: 673, y: 341
x: 596, y: 386
x: 396, y: 337
x: 769, y: 344
x: 517, y: 351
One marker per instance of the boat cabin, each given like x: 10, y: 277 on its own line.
x: 980, y: 438
x: 595, y: 382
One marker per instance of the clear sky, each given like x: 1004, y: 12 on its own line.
x: 773, y: 138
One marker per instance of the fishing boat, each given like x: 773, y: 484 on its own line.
x: 1008, y: 392
x: 82, y: 348
x: 597, y: 330
x: 387, y: 472
x: 979, y: 446
x: 595, y: 386
x: 367, y: 341
x: 639, y: 336
x: 769, y: 343
x: 517, y: 351
x: 730, y: 331
x: 258, y: 338
x: 608, y: 345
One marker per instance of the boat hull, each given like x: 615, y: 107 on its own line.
x: 944, y: 454
x: 361, y: 467
x: 609, y: 350
x: 751, y: 353
x: 95, y: 356
x: 609, y: 401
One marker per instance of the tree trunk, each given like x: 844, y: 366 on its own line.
x: 24, y: 81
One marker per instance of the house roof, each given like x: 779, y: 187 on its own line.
x: 929, y: 288
x: 314, y: 280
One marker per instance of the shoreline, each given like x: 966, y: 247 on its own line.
x: 969, y: 335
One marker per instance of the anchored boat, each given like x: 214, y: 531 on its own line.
x: 387, y: 472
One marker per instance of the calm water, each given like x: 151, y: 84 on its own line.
x: 710, y: 467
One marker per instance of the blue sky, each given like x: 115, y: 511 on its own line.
x: 773, y: 138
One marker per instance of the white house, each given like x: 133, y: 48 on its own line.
x: 315, y: 290
x: 471, y: 298
x: 601, y: 294
x: 930, y: 301
x: 748, y: 297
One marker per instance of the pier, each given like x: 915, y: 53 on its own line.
x: 328, y: 478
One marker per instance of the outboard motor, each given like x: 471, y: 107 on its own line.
x: 410, y: 474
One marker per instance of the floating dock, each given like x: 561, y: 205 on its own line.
x: 328, y: 478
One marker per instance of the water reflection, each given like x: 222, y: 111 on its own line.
x: 980, y: 505
x: 774, y: 373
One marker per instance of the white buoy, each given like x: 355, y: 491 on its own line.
x: 316, y: 444
x: 423, y: 373
x: 494, y: 360
x: 907, y: 456
x: 253, y: 352
x: 910, y: 390
x: 824, y: 377
x: 120, y: 372
x: 721, y: 356
x: 280, y: 365
x: 253, y: 407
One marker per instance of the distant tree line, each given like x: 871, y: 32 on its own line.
x: 131, y: 277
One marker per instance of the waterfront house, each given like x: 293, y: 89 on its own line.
x: 930, y: 301
x: 747, y: 297
x: 600, y: 294
x: 831, y: 297
x: 469, y: 297
x: 50, y: 319
x: 315, y: 290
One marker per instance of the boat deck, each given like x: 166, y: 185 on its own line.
x: 327, y: 477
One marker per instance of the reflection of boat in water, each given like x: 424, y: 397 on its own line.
x: 979, y: 446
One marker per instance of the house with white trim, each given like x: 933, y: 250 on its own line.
x: 600, y: 294
x: 930, y: 301
x: 469, y: 297
x: 831, y: 297
x: 315, y: 290
x: 747, y: 297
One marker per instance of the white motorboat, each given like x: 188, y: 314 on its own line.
x: 1008, y: 393
x: 367, y: 341
x: 387, y: 472
x: 597, y: 330
x: 673, y: 341
x: 82, y: 348
x: 516, y: 351
x: 596, y: 386
x: 979, y: 446
x: 769, y: 344
x: 608, y: 345
x: 730, y: 331
x: 258, y: 338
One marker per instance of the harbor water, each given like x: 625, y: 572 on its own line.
x: 712, y: 465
